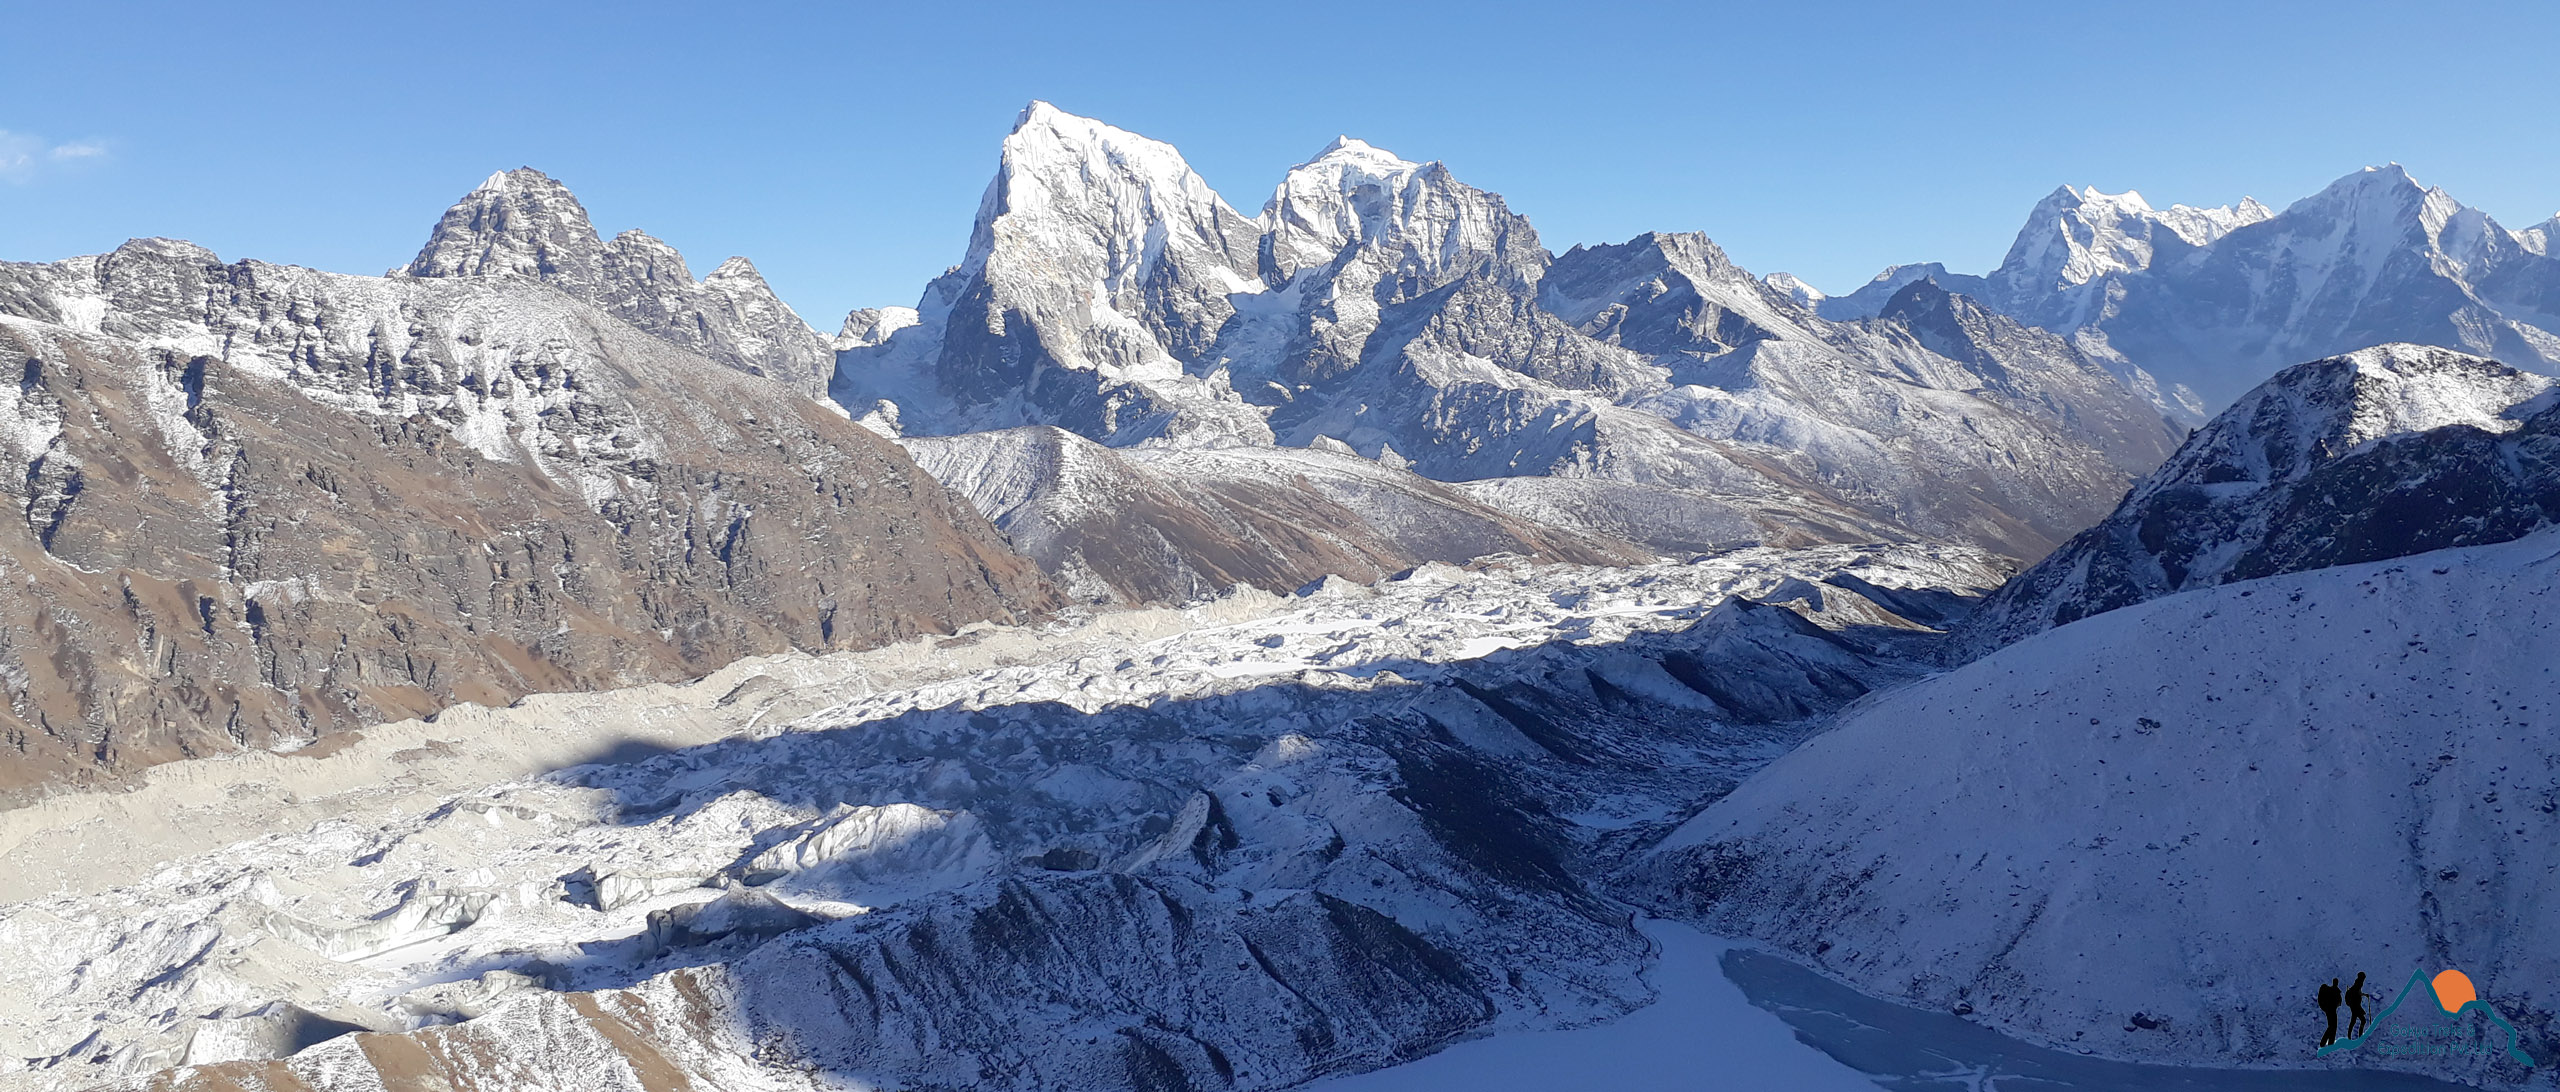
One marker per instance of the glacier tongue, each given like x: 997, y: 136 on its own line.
x: 1249, y: 843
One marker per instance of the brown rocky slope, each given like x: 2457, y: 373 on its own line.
x: 261, y: 503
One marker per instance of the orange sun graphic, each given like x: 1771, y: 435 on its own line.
x: 2454, y: 990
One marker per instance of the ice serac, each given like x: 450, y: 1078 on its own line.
x: 2381, y: 453
x: 2147, y: 834
x: 261, y: 504
x: 524, y: 223
x: 1098, y: 272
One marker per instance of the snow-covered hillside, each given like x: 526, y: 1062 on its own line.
x: 2148, y: 833
x: 1246, y: 844
x: 2388, y: 451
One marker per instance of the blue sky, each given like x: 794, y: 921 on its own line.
x: 844, y: 148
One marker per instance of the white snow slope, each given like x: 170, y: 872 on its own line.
x: 2193, y: 809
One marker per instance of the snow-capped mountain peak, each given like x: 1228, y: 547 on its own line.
x: 1100, y: 267
x: 2076, y: 236
x: 1794, y: 288
x: 2538, y: 238
x: 2316, y: 413
x: 1051, y: 153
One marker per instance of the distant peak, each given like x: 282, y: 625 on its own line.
x: 521, y: 178
x: 2388, y: 175
x: 1348, y: 149
x: 1795, y: 288
x: 1038, y: 110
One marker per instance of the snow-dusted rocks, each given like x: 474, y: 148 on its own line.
x: 1161, y: 524
x: 2381, y: 453
x: 523, y: 223
x: 262, y: 503
x: 2111, y: 407
x: 2006, y: 442
x: 2193, y: 810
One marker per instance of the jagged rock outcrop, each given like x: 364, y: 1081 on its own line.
x: 523, y: 223
x: 1099, y: 267
x: 258, y: 504
x: 2381, y: 453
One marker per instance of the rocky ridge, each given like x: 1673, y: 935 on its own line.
x: 523, y: 223
x: 2382, y: 453
x: 260, y: 504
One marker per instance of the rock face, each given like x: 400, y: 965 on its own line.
x: 1155, y: 524
x: 1386, y: 306
x: 1099, y: 266
x: 2145, y: 835
x: 2214, y: 301
x: 522, y: 223
x: 2101, y: 403
x: 2382, y: 453
x: 1939, y: 418
x: 261, y: 503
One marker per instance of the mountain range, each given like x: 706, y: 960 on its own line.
x: 1200, y: 651
x: 2213, y: 301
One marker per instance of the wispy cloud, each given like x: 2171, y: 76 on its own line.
x: 25, y: 155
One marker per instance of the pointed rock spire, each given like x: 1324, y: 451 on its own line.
x: 520, y: 222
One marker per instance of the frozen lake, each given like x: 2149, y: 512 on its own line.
x: 1730, y: 1017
